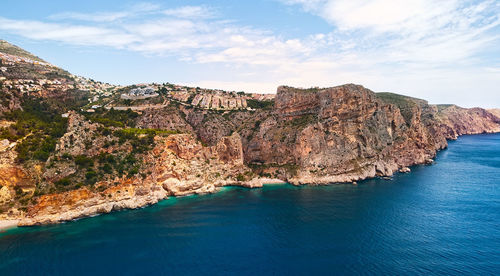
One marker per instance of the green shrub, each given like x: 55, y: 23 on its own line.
x: 303, y: 121
x: 113, y: 118
x: 240, y: 177
x: 133, y: 171
x: 39, y: 124
x: 106, y: 168
x: 91, y: 177
x: 255, y: 104
x: 83, y: 161
x: 106, y: 158
x: 63, y: 182
x: 18, y: 190
x: 105, y: 131
x: 66, y: 156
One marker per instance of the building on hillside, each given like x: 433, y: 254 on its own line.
x: 140, y: 93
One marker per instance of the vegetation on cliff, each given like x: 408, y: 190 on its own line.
x: 405, y: 104
x: 37, y: 128
x: 113, y: 118
x: 255, y: 104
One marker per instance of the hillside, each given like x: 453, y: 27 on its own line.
x: 495, y: 112
x: 72, y: 147
x: 7, y: 48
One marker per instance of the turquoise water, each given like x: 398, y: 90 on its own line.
x: 440, y: 219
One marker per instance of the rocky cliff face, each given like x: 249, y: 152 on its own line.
x: 348, y: 133
x: 315, y: 136
x: 16, y: 184
x: 179, y: 165
x: 340, y: 134
x: 169, y: 118
x: 455, y: 121
x: 54, y: 169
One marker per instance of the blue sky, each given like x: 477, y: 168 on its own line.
x: 445, y: 51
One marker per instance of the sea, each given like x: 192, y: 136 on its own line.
x: 440, y: 219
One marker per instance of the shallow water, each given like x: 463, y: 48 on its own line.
x: 440, y: 219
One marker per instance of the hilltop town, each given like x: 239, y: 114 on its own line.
x: 157, y: 96
x: 44, y: 78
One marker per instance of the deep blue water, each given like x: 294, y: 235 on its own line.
x: 440, y: 219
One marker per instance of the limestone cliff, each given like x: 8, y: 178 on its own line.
x: 456, y: 121
x: 179, y: 165
x: 349, y: 133
x: 64, y: 156
x: 314, y: 136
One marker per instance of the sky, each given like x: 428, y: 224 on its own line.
x: 445, y: 51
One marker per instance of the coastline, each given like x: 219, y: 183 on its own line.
x: 128, y: 202
x: 347, y: 215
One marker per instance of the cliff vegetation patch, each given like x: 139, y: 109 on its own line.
x: 37, y: 129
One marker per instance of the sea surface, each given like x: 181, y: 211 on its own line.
x: 439, y: 219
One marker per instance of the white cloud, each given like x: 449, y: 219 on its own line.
x: 144, y: 9
x: 410, y: 46
x: 188, y: 32
x: 190, y: 12
x: 390, y: 15
x: 96, y: 17
x: 411, y: 30
x: 71, y: 34
x: 163, y: 27
x: 134, y: 10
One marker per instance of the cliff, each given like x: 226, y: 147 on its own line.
x: 178, y: 165
x: 456, y: 121
x: 341, y: 134
x: 61, y: 159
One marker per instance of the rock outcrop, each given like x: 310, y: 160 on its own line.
x: 15, y: 182
x: 169, y: 118
x: 456, y: 121
x: 348, y: 133
x: 179, y: 166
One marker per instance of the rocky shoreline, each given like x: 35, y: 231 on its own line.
x: 179, y: 165
x: 342, y: 134
x: 83, y: 203
x: 103, y: 206
x: 65, y: 153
